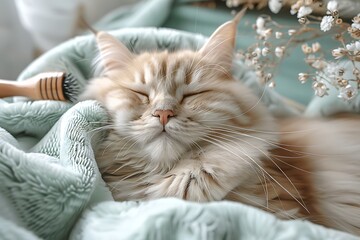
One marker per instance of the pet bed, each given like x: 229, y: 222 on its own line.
x: 51, y: 187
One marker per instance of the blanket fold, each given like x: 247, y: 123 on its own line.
x: 51, y: 185
x: 177, y: 219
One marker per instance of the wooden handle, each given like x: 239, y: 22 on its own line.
x: 26, y: 88
x: 44, y: 86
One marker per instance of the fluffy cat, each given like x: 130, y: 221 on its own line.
x: 183, y: 127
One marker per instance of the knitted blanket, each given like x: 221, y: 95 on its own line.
x: 51, y: 187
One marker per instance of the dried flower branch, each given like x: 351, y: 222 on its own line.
x: 275, y: 42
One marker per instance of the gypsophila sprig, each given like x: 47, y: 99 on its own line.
x: 275, y: 42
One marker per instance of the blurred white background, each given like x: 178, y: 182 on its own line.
x: 31, y: 27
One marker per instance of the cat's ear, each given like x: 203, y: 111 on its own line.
x: 113, y: 54
x: 220, y: 46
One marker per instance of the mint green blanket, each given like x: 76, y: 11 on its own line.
x: 50, y: 185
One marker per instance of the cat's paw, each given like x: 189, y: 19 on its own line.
x: 189, y: 181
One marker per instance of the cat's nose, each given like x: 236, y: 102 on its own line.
x: 163, y: 115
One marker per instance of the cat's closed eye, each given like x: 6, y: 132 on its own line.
x: 144, y: 97
x: 192, y: 94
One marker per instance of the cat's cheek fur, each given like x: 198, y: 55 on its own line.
x: 122, y: 117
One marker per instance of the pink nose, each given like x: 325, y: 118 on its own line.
x: 163, y: 115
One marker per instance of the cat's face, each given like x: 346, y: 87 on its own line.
x: 167, y: 103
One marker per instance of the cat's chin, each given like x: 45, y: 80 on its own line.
x: 164, y: 151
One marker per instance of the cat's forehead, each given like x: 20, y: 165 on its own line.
x: 171, y: 69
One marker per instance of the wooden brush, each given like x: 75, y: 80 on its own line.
x: 44, y: 86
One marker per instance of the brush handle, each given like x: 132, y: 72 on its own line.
x: 44, y: 86
x: 26, y: 88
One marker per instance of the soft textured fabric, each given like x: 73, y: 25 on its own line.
x: 177, y: 219
x: 50, y: 185
x: 49, y: 179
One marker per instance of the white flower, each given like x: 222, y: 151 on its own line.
x: 268, y: 77
x: 291, y: 32
x: 232, y: 3
x: 272, y: 84
x: 260, y: 23
x: 265, y: 51
x: 319, y: 64
x: 332, y: 6
x: 356, y: 25
x: 293, y: 11
x: 306, y: 49
x: 331, y: 71
x: 351, y: 47
x: 357, y: 45
x: 320, y: 88
x: 303, y: 77
x: 278, y: 35
x: 275, y: 5
x: 354, y: 47
x: 265, y: 33
x: 347, y: 93
x: 338, y: 53
x: 326, y: 23
x: 316, y: 47
x: 295, y: 7
x: 257, y: 51
x: 304, y: 11
x: 279, y: 51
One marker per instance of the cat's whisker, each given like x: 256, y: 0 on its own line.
x: 265, y: 154
x: 106, y: 122
x: 340, y: 224
x: 263, y: 184
x: 227, y: 126
x: 107, y: 127
x: 280, y: 146
x: 114, y: 142
x: 277, y: 157
x: 278, y: 211
x: 237, y: 155
x: 275, y: 144
x: 135, y: 173
x: 107, y: 146
x: 284, y: 211
x: 268, y: 141
x: 198, y: 147
x: 276, y: 181
x: 130, y: 147
x: 93, y: 133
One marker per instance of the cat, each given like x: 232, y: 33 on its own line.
x: 183, y: 127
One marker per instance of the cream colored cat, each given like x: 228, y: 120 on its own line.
x: 183, y: 127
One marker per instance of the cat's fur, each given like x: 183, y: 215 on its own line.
x: 221, y: 143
